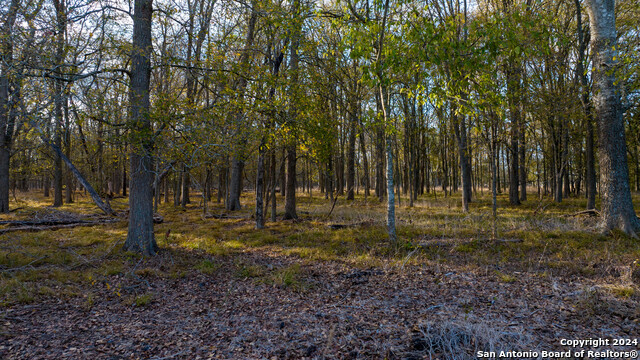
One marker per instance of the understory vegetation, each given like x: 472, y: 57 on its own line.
x: 539, y: 241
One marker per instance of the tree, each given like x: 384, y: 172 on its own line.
x: 617, y: 208
x: 292, y: 156
x: 581, y: 75
x: 140, y: 236
x: 7, y: 101
x: 237, y: 163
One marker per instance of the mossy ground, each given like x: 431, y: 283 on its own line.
x: 537, y: 237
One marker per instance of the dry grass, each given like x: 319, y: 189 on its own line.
x: 461, y: 340
x: 70, y: 260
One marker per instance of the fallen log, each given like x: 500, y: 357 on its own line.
x: 222, y: 216
x: 35, y: 228
x: 590, y: 212
x: 344, y: 226
x: 44, y: 222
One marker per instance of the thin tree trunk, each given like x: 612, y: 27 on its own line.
x: 186, y: 183
x: 237, y: 167
x: 351, y: 152
x: 460, y: 130
x: 590, y: 177
x: 259, y: 185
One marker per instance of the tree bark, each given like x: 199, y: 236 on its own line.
x: 351, y: 152
x: 290, y: 197
x: 140, y: 235
x: 617, y: 208
x: 460, y: 130
x: 365, y: 165
x: 259, y: 186
x: 186, y: 183
x: 235, y: 184
x: 7, y: 122
x: 58, y: 100
x: 590, y: 179
x: 237, y: 166
x: 513, y: 89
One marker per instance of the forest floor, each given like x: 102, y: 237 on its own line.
x: 311, y: 289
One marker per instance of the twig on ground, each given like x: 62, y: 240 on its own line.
x: 24, y: 266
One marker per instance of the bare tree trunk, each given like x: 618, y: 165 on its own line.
x: 290, y: 197
x: 351, y: 151
x: 494, y: 176
x: 58, y: 100
x: 460, y: 130
x: 186, y: 183
x: 140, y: 235
x: 513, y: 86
x: 617, y: 208
x: 237, y: 167
x: 586, y: 105
x: 7, y: 121
x: 365, y: 166
x: 46, y: 185
x: 391, y: 206
x: 235, y: 185
x: 283, y: 173
x: 259, y: 186
x: 67, y: 145
x: 523, y: 168
x: 124, y: 176
x: 275, y: 63
x: 273, y: 185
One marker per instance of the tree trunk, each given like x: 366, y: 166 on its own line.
x: 259, y: 185
x: 523, y: 168
x: 186, y: 183
x: 590, y: 177
x: 58, y: 102
x: 273, y: 185
x: 140, y: 235
x: 4, y: 179
x: 237, y: 167
x: 460, y: 130
x: 513, y: 89
x: 7, y: 121
x: 494, y: 181
x: 351, y: 153
x: 67, y: 144
x: 365, y: 165
x: 283, y: 174
x: 290, y: 198
x: 235, y: 184
x: 617, y: 208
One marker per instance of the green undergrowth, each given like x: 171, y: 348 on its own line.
x: 537, y: 237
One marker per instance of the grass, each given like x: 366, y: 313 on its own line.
x: 549, y: 243
x: 143, y: 300
x: 207, y: 266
